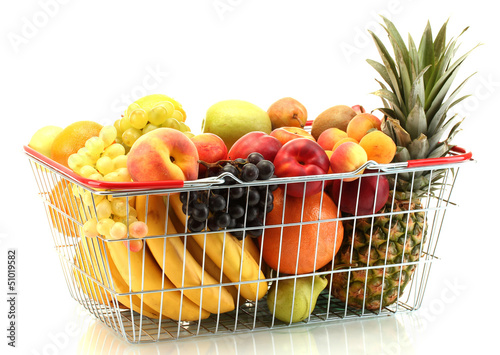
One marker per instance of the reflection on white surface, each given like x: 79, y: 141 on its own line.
x: 385, y: 335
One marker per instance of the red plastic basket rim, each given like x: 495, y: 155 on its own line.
x: 460, y: 155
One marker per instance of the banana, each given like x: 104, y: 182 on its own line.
x: 176, y: 261
x: 92, y: 290
x: 221, y: 243
x: 252, y: 248
x: 95, y: 252
x: 141, y: 272
x: 210, y: 267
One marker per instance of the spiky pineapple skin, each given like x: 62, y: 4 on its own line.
x: 402, y: 232
x: 416, y: 94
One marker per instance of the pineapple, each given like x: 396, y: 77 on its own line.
x: 416, y: 98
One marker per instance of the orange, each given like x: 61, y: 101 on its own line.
x: 71, y: 139
x: 64, y: 205
x: 321, y: 245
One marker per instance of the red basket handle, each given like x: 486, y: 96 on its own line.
x: 462, y: 156
x: 99, y: 184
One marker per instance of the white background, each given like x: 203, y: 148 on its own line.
x: 64, y: 61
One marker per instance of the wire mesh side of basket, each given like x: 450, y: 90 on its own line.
x: 90, y: 279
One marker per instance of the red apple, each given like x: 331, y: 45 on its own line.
x: 286, y: 134
x: 301, y: 157
x: 211, y: 148
x: 163, y: 154
x: 256, y: 141
x: 371, y: 186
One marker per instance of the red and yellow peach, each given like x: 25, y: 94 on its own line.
x: 163, y: 154
x: 348, y: 157
x: 330, y: 137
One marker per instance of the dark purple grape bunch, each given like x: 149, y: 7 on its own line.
x: 233, y: 205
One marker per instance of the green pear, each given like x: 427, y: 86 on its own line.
x: 302, y: 304
x: 232, y: 119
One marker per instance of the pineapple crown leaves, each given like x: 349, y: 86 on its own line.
x: 416, y: 93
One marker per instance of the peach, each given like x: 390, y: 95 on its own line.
x: 379, y: 147
x: 348, y: 157
x: 211, y: 148
x: 343, y: 140
x: 361, y: 124
x: 163, y: 154
x: 328, y: 138
x: 286, y: 134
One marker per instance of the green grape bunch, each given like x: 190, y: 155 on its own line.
x: 102, y: 158
x: 147, y: 114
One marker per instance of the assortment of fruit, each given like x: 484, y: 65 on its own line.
x: 247, y: 222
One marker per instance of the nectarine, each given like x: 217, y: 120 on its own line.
x: 211, y: 148
x: 330, y: 137
x: 343, y: 140
x: 365, y: 196
x: 163, y: 154
x: 348, y: 157
x: 256, y: 141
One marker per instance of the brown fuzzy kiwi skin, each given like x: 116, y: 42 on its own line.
x: 336, y: 116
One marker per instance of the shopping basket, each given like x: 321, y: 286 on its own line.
x: 140, y: 309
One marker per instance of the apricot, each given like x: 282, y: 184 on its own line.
x: 343, y: 140
x: 330, y: 137
x: 361, y: 124
x: 348, y: 157
x: 379, y: 147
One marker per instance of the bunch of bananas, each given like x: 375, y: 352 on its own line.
x: 181, y: 278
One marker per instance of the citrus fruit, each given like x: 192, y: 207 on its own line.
x: 71, y: 139
x: 64, y: 205
x: 42, y: 140
x: 318, y: 241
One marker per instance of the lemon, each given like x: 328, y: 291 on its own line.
x: 42, y: 140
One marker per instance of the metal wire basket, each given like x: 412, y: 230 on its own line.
x: 154, y: 294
